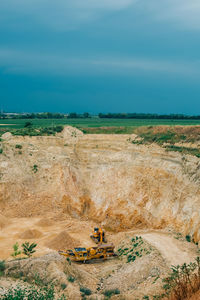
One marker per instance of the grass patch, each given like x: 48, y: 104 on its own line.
x: 184, y: 150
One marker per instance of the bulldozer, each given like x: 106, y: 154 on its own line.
x: 98, y: 236
x: 87, y: 254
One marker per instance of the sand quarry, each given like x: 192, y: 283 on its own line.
x: 53, y: 233
x: 57, y: 189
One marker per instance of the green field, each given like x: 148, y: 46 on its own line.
x: 93, y: 122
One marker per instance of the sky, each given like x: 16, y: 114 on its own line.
x: 100, y: 56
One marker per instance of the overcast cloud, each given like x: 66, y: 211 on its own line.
x: 144, y: 49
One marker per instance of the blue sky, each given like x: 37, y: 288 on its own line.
x: 100, y: 56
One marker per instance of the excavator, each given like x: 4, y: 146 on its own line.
x: 86, y: 254
x: 98, y: 236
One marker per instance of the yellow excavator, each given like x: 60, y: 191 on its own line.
x: 98, y: 236
x: 85, y: 254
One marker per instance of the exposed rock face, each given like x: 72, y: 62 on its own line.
x: 101, y: 177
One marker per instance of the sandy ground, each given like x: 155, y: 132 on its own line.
x: 46, y: 229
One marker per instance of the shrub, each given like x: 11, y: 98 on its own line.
x: 16, y: 250
x: 63, y: 286
x: 2, y: 265
x: 71, y: 279
x: 188, y: 238
x: 28, y: 249
x: 182, y: 282
x: 35, y: 168
x: 85, y: 291
x: 1, y: 150
x: 110, y: 293
x: 18, y: 146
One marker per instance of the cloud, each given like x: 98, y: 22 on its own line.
x: 182, y: 13
x: 20, y: 62
x: 61, y: 14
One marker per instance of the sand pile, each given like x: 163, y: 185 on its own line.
x: 30, y: 234
x: 3, y: 221
x: 62, y: 241
x: 45, y: 222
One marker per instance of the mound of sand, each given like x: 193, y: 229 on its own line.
x: 3, y: 221
x: 45, y: 222
x: 30, y: 234
x: 62, y: 241
x: 70, y: 133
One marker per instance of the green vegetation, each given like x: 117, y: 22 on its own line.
x: 33, y: 293
x: 63, y: 286
x: 18, y: 146
x: 35, y: 168
x: 184, y: 150
x: 182, y: 282
x: 134, y: 250
x: 28, y: 249
x: 71, y: 279
x: 110, y: 293
x: 1, y: 150
x: 89, y: 123
x: 16, y: 250
x: 85, y: 291
x: 2, y: 267
x: 188, y: 238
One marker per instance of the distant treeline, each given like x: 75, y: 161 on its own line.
x: 74, y: 115
x: 147, y: 116
x: 46, y: 115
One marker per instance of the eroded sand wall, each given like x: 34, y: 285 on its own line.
x: 101, y: 177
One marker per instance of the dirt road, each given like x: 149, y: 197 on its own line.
x: 173, y: 251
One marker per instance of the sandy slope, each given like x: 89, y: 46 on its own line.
x: 173, y: 251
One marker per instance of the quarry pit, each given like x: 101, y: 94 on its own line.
x: 55, y: 189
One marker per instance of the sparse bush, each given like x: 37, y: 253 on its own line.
x: 68, y: 260
x: 2, y: 267
x: 85, y: 291
x: 110, y: 293
x: 18, y: 146
x: 1, y: 150
x: 182, y: 282
x: 63, y: 286
x: 16, y: 250
x: 71, y: 279
x: 28, y: 249
x: 35, y: 168
x: 135, y: 250
x: 188, y: 238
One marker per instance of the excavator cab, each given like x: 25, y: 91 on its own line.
x: 98, y: 236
